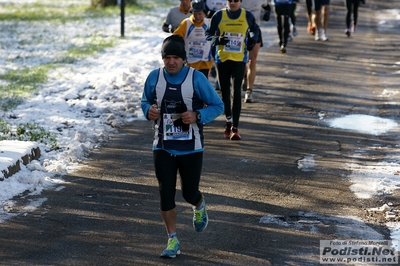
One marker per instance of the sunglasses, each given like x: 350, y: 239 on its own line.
x: 230, y: 1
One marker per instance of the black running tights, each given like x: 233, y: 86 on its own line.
x: 167, y: 166
x: 352, y: 7
x: 282, y: 17
x: 226, y: 71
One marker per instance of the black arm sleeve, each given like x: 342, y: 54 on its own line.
x: 212, y: 32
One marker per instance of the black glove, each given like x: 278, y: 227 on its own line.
x: 223, y: 39
x: 167, y: 28
x: 267, y: 9
x: 362, y: 1
x: 250, y: 44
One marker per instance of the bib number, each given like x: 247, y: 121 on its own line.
x: 235, y: 42
x: 172, y: 132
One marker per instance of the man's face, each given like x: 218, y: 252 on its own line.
x: 173, y: 64
x: 198, y: 16
x: 233, y: 5
x: 185, y: 4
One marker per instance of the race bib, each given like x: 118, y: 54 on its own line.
x: 235, y: 42
x: 196, y: 50
x: 172, y: 132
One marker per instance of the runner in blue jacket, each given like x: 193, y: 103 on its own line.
x: 179, y: 99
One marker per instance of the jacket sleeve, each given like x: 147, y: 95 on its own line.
x: 214, y: 105
x: 167, y: 22
x: 212, y: 32
x: 149, y: 94
x: 253, y: 27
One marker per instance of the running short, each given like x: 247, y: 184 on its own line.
x: 319, y: 3
x: 260, y: 37
x: 284, y: 10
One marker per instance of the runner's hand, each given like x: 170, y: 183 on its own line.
x: 153, y: 112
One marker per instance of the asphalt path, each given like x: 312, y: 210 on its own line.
x: 263, y: 208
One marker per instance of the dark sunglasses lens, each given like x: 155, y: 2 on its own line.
x: 230, y: 1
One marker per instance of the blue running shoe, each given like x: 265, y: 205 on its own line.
x: 200, y: 218
x: 173, y: 248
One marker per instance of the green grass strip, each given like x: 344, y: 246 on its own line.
x: 46, y: 12
x: 28, y: 132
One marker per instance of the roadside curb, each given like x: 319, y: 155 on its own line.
x: 13, y: 153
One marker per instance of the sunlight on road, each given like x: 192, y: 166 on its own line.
x: 364, y: 123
